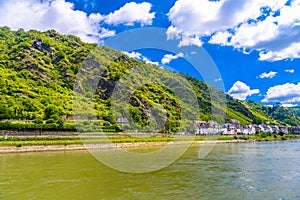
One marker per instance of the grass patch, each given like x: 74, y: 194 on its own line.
x: 72, y: 140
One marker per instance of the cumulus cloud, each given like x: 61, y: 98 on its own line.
x: 220, y: 38
x: 204, y: 17
x: 148, y: 61
x: 132, y: 13
x: 133, y: 54
x: 190, y: 41
x: 290, y: 52
x: 289, y: 105
x: 139, y: 56
x: 173, y: 33
x: 195, y: 16
x: 241, y: 91
x: 271, y: 27
x: 270, y: 75
x: 290, y: 71
x: 62, y: 17
x: 169, y: 57
x: 249, y: 35
x: 57, y: 14
x: 288, y: 93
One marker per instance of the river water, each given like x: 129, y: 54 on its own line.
x: 262, y: 170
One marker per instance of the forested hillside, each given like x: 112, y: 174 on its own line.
x: 38, y: 69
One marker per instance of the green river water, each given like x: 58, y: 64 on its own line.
x: 262, y: 170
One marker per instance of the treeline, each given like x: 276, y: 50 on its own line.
x: 89, y: 127
x: 36, y: 127
x: 277, y: 112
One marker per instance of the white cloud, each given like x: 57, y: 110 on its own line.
x: 56, y: 14
x: 132, y: 13
x: 62, y: 17
x: 246, y: 24
x: 133, y: 54
x: 146, y: 60
x: 190, y: 41
x: 241, y: 91
x: 204, y: 17
x: 290, y: 71
x: 139, y: 56
x: 249, y: 35
x: 287, y: 93
x: 289, y: 105
x: 195, y: 16
x: 169, y: 57
x: 270, y: 75
x: 220, y: 38
x: 292, y: 51
x: 173, y: 33
x: 218, y: 79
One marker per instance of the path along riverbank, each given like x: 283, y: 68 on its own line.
x: 45, y: 148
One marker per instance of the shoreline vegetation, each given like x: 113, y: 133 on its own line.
x: 41, y: 143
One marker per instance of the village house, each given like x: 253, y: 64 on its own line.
x: 230, y: 129
x: 258, y: 128
x: 283, y: 129
x: 266, y: 128
x: 294, y: 129
x: 248, y: 130
x: 205, y: 128
x: 275, y: 129
x: 233, y: 127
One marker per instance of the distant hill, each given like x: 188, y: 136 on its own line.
x: 295, y: 112
x: 288, y: 116
x: 38, y: 69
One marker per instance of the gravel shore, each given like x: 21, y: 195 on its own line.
x: 23, y: 149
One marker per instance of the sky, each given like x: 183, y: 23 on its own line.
x: 255, y: 44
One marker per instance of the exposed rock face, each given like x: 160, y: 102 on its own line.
x: 40, y: 46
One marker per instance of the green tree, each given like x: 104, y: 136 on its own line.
x: 52, y: 112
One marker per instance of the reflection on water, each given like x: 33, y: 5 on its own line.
x: 269, y: 170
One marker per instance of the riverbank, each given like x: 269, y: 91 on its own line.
x: 124, y: 145
x: 38, y: 148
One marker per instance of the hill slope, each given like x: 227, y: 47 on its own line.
x: 38, y: 69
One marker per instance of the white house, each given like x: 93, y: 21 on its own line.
x: 231, y: 129
x: 275, y: 129
x: 248, y: 130
x: 204, y: 128
x: 267, y: 128
x: 294, y: 129
x: 283, y: 129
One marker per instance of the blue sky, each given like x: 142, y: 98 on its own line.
x: 255, y: 44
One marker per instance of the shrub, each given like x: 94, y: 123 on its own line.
x: 283, y: 138
x: 50, y: 121
x: 38, y: 121
x: 281, y: 133
x: 244, y: 138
